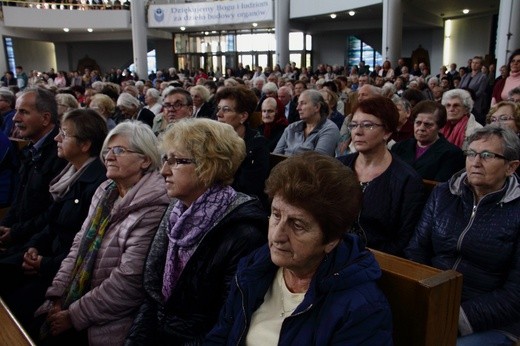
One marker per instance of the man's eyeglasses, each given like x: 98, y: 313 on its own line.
x: 117, y: 151
x: 175, y: 106
x: 176, y: 161
x: 500, y: 118
x: 484, y: 155
x: 365, y: 125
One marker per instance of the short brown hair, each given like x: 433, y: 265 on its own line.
x: 244, y: 98
x: 320, y: 185
x: 431, y: 107
x: 382, y: 108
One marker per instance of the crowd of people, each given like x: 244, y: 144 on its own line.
x: 138, y: 210
x: 73, y: 4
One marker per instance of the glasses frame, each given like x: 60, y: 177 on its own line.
x: 175, y: 106
x: 64, y: 134
x: 501, y: 118
x: 173, y: 162
x: 485, y: 155
x: 364, y: 125
x: 117, y: 151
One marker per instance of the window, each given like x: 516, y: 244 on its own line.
x: 359, y: 50
x: 8, y: 42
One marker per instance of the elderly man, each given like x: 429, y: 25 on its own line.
x: 36, y: 120
x: 477, y: 81
x: 285, y: 95
x: 471, y: 224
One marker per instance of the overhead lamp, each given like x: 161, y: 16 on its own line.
x: 90, y: 29
x: 351, y: 13
x: 66, y: 29
x: 255, y: 25
x: 465, y: 11
x: 333, y: 15
x: 183, y: 28
x: 206, y: 33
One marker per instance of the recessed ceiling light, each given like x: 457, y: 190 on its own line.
x: 255, y: 25
x: 90, y: 29
x: 465, y: 11
x: 333, y: 15
x: 66, y: 29
x: 351, y: 13
x: 183, y: 28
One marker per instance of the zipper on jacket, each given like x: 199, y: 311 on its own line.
x: 243, y: 311
x: 466, y: 230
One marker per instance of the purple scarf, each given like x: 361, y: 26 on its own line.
x: 188, y: 226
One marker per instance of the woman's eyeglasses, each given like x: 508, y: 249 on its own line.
x: 176, y: 161
x: 364, y: 125
x: 117, y: 151
x: 484, y: 155
x: 500, y: 118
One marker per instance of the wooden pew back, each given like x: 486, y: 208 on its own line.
x: 11, y: 332
x: 425, y: 301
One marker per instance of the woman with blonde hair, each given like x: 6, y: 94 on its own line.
x: 66, y: 103
x: 206, y: 229
x: 106, y: 107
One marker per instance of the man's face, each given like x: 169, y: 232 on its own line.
x: 30, y: 123
x: 364, y: 92
x: 176, y: 108
x: 284, y: 96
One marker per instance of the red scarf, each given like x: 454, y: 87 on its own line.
x: 455, y: 133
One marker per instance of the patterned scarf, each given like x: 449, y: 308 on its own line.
x: 187, y: 227
x: 88, y: 249
x: 456, y: 133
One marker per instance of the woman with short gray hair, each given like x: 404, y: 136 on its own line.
x: 461, y: 123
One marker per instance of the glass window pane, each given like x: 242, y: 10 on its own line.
x: 262, y: 60
x: 308, y: 42
x: 296, y: 41
x: 246, y: 59
x: 297, y: 58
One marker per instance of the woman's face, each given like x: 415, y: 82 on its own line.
x: 425, y: 129
x: 515, y: 64
x: 268, y: 111
x: 368, y: 139
x: 128, y: 167
x: 504, y: 116
x: 455, y: 109
x: 180, y: 177
x: 226, y: 113
x: 306, y: 108
x: 403, y: 114
x: 295, y: 238
x: 69, y: 148
x: 149, y: 100
x: 197, y: 99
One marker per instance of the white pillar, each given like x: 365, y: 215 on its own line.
x: 508, y: 32
x: 281, y: 24
x: 392, y: 30
x: 140, y: 50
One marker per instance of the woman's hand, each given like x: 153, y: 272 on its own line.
x: 60, y: 322
x: 31, y: 261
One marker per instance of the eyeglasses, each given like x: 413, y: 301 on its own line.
x: 64, y: 134
x: 503, y: 117
x: 176, y: 161
x: 418, y: 123
x: 176, y: 105
x: 365, y: 125
x: 225, y: 109
x: 484, y: 155
x: 117, y: 151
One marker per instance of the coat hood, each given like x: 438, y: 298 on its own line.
x: 459, y: 181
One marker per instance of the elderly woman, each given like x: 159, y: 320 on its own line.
x: 509, y: 82
x: 202, y: 108
x: 505, y: 114
x: 131, y: 108
x: 235, y: 106
x: 66, y: 103
x: 471, y: 224
x: 313, y: 132
x: 79, y: 141
x: 98, y: 288
x: 393, y: 196
x: 274, y: 121
x: 405, y: 128
x: 429, y: 153
x: 152, y: 99
x: 313, y: 283
x: 331, y: 98
x: 104, y: 105
x: 461, y: 123
x: 207, y: 228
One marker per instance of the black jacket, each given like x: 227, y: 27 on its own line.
x: 28, y: 211
x: 66, y: 218
x: 438, y: 163
x: 203, y: 285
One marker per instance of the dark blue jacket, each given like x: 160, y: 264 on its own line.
x: 481, y: 241
x: 343, y: 305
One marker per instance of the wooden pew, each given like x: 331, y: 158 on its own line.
x: 429, y: 185
x: 11, y: 332
x: 425, y: 301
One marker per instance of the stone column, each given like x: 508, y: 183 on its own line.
x: 139, y: 45
x: 392, y: 30
x: 281, y: 23
x: 508, y: 32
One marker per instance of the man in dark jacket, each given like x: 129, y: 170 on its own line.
x: 36, y: 120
